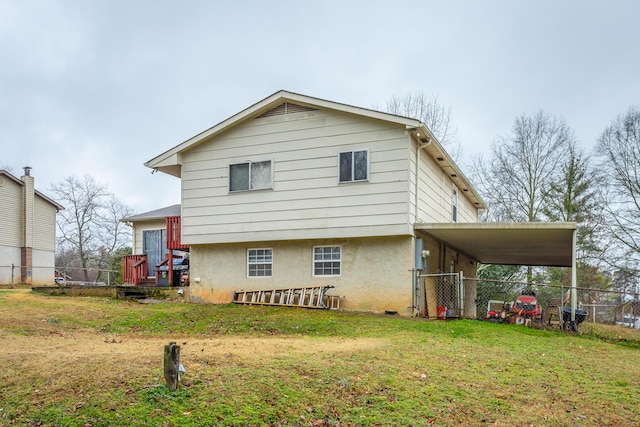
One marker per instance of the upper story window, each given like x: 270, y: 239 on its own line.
x: 327, y: 260
x: 250, y: 176
x: 259, y: 262
x: 454, y: 204
x: 354, y: 166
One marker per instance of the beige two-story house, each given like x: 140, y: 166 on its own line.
x: 27, y: 231
x: 299, y: 191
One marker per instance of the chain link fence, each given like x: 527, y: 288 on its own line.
x: 14, y: 274
x: 441, y: 296
x: 554, y: 302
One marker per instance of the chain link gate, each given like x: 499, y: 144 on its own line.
x: 440, y: 296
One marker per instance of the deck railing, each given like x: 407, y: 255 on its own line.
x: 134, y: 269
x: 173, y: 234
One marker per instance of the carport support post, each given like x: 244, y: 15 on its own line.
x: 461, y: 295
x: 574, y: 292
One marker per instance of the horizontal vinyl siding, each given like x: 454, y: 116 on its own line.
x: 435, y: 189
x: 466, y: 211
x: 44, y: 225
x: 299, y: 218
x: 306, y: 194
x: 291, y: 233
x: 295, y: 200
x: 10, y: 213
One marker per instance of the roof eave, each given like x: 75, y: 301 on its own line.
x: 57, y: 205
x: 437, y: 151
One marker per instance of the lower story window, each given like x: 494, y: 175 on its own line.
x: 327, y: 260
x: 259, y: 262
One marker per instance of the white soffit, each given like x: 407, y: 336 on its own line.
x: 527, y: 243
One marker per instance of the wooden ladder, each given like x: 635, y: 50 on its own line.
x: 307, y: 297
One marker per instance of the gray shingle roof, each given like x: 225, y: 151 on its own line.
x: 173, y: 210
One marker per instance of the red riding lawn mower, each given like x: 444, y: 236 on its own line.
x: 524, y: 310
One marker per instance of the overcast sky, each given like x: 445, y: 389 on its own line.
x: 99, y: 87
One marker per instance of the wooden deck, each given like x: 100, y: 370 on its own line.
x: 135, y: 267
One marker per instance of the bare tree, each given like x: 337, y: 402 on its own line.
x: 433, y: 113
x: 109, y: 218
x: 90, y: 224
x: 619, y: 147
x: 518, y: 179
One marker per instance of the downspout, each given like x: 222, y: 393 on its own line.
x: 574, y: 292
x: 420, y: 146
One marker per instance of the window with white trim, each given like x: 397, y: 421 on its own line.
x: 327, y: 260
x: 354, y: 166
x: 259, y: 262
x: 250, y: 176
x: 454, y: 204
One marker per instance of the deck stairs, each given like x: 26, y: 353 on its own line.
x: 307, y: 297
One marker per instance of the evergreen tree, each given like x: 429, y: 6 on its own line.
x: 575, y: 198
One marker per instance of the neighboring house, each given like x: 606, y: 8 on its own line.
x: 296, y: 191
x: 27, y: 231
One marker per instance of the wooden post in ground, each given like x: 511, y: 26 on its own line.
x: 171, y: 364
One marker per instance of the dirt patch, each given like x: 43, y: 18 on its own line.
x: 85, y: 344
x: 59, y: 363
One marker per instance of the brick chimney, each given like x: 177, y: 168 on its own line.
x: 28, y: 200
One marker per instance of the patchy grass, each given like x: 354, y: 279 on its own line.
x: 96, y: 361
x: 612, y: 333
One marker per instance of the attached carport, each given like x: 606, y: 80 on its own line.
x: 528, y: 244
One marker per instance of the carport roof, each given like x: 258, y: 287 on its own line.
x: 526, y: 243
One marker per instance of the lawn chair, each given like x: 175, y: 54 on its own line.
x: 554, y: 308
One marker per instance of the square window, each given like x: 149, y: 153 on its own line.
x: 327, y: 261
x: 259, y: 262
x: 250, y: 176
x: 354, y: 166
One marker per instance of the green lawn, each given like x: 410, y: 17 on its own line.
x: 95, y: 361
